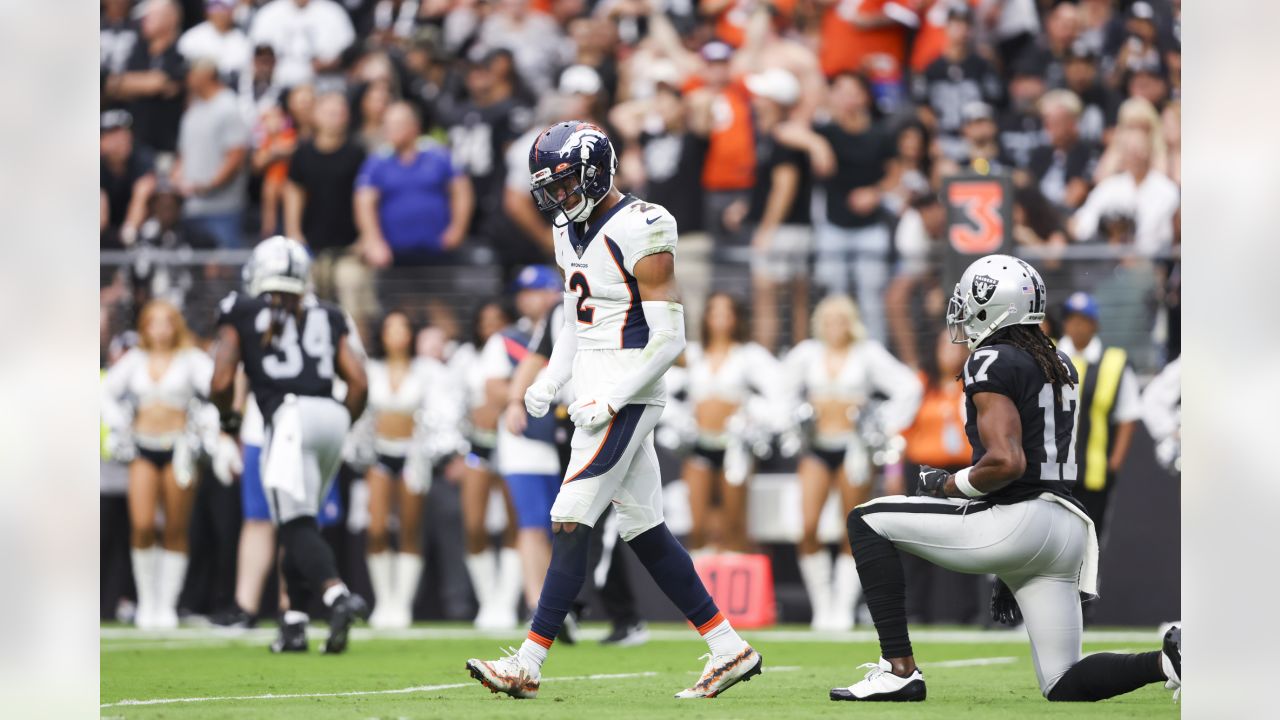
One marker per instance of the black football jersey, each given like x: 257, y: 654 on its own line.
x: 1048, y: 421
x: 298, y: 360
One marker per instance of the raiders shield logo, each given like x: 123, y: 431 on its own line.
x: 984, y: 286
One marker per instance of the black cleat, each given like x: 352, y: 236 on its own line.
x: 291, y: 638
x: 233, y: 617
x: 1171, y: 659
x: 627, y: 635
x: 344, y: 613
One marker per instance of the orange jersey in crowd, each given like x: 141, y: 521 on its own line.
x: 932, y: 36
x: 731, y: 23
x: 845, y: 46
x: 937, y: 436
x: 730, y: 163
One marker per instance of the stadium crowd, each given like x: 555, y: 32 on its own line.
x: 801, y: 145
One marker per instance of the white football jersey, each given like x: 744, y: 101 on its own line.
x: 599, y: 269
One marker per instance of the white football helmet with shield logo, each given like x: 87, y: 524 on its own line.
x: 995, y: 292
x: 279, y: 264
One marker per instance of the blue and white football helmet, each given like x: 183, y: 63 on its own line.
x: 573, y: 158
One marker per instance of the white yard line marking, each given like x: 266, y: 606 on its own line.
x: 971, y: 662
x: 959, y: 636
x: 355, y: 693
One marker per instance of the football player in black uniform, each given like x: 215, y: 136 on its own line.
x: 292, y: 347
x: 1010, y: 514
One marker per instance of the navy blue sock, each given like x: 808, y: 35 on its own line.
x: 565, y: 577
x: 672, y: 568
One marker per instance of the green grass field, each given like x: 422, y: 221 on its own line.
x: 198, y: 673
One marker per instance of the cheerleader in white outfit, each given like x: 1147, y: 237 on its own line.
x: 726, y: 378
x: 836, y: 373
x: 147, y: 396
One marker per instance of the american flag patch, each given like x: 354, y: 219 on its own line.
x: 1027, y: 290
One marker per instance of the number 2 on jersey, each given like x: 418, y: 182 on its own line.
x: 578, y: 281
x: 317, y: 341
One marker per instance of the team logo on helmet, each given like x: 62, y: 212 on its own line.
x: 984, y: 286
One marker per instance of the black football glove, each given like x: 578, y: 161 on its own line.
x: 1004, y: 608
x: 933, y: 482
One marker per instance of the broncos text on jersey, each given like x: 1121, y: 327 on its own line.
x: 298, y: 360
x: 1048, y: 418
x: 599, y: 269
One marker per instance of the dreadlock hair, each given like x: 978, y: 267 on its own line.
x: 282, y: 305
x: 1032, y: 340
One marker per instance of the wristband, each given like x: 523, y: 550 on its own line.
x: 229, y: 423
x: 963, y: 485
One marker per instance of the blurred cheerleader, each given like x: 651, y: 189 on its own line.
x: 727, y: 377
x: 404, y: 396
x: 147, y: 396
x: 836, y: 374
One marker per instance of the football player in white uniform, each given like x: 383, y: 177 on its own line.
x: 625, y: 329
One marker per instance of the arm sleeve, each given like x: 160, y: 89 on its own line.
x: 560, y: 361
x: 897, y: 381
x: 666, y: 342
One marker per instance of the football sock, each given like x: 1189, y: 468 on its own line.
x: 721, y: 638
x: 533, y: 653
x: 1105, y: 675
x: 883, y: 585
x: 672, y: 568
x: 310, y: 555
x: 565, y: 577
x: 293, y: 617
x: 334, y: 592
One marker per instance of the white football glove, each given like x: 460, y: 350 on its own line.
x: 537, y: 399
x: 590, y: 414
x: 226, y: 459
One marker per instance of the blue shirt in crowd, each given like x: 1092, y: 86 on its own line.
x: 413, y: 197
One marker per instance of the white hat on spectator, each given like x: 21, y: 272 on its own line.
x: 580, y: 80
x: 775, y: 84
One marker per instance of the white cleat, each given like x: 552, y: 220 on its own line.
x: 507, y: 675
x: 881, y: 685
x: 723, y: 672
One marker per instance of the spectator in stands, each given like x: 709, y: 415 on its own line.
x: 852, y: 243
x: 1063, y: 167
x: 1010, y: 25
x: 1137, y: 49
x: 957, y: 78
x: 1061, y: 28
x: 126, y: 180
x: 909, y: 170
x: 210, y: 168
x: 308, y: 36
x: 151, y: 84
x: 720, y: 111
x: 980, y: 139
x: 1109, y: 407
x: 915, y: 290
x: 300, y: 104
x: 257, y: 89
x: 867, y: 37
x: 533, y: 37
x: 778, y: 214
x: 1141, y: 191
x: 1140, y: 115
x: 373, y: 100
x: 218, y: 38
x: 1020, y: 130
x: 1098, y: 102
x: 274, y: 140
x: 1172, y: 126
x: 318, y: 208
x: 117, y: 35
x: 412, y: 203
x: 481, y: 129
